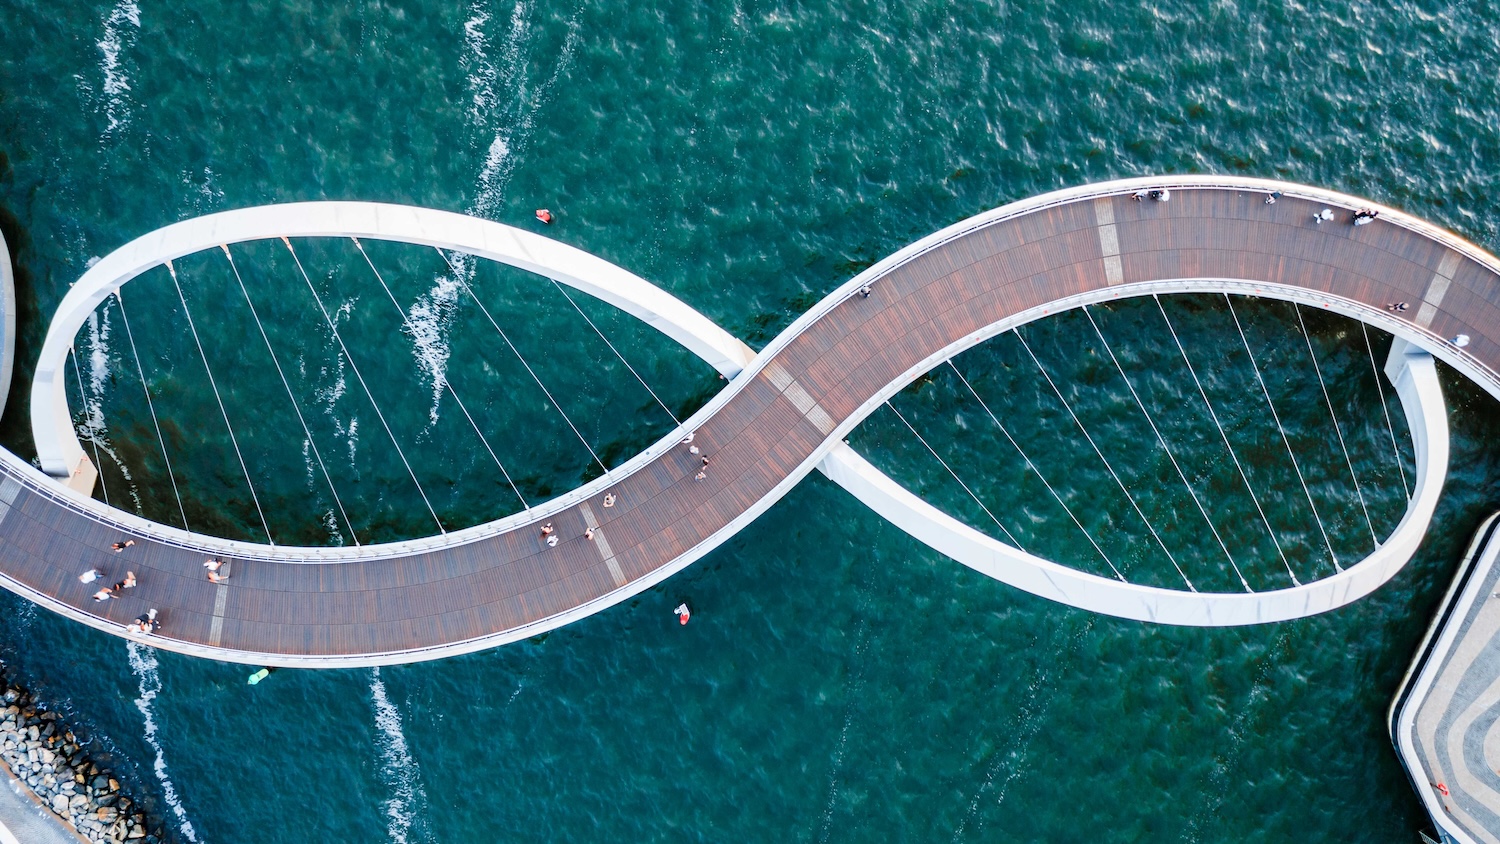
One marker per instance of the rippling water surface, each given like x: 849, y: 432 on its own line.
x: 839, y: 681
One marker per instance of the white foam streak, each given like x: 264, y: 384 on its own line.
x: 329, y: 396
x: 506, y: 121
x: 399, y: 770
x: 205, y: 192
x: 1246, y: 724
x: 431, y: 316
x: 116, y: 83
x: 143, y: 663
x: 93, y: 426
x: 428, y: 323
x: 351, y: 437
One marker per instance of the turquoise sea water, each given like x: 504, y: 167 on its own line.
x: 839, y: 682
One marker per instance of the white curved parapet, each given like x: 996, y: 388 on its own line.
x: 1415, y: 377
x: 57, y: 443
x: 7, y: 322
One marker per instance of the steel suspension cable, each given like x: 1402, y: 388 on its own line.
x: 366, y: 387
x: 1163, y: 442
x: 1182, y: 350
x: 458, y: 276
x: 1033, y: 468
x: 564, y: 291
x: 1285, y: 441
x: 1375, y: 370
x: 405, y: 320
x: 1112, y: 473
x: 295, y: 408
x: 93, y: 437
x: 150, y: 406
x: 1359, y: 493
x: 961, y: 483
x: 233, y: 440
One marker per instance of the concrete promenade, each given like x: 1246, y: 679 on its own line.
x: 1445, y: 720
x: 24, y: 821
x: 777, y: 420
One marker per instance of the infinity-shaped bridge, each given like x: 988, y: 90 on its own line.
x: 783, y: 414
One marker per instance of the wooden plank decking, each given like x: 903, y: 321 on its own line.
x: 427, y: 604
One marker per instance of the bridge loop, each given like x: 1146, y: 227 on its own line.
x: 484, y: 601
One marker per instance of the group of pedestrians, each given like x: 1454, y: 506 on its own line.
x: 549, y: 531
x: 1362, y: 217
x: 128, y: 582
x: 694, y: 450
x: 145, y: 624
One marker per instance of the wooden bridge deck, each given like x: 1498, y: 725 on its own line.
x: 414, y: 607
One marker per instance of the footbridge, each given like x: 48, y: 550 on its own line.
x: 784, y: 413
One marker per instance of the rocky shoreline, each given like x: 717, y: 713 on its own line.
x: 42, y: 753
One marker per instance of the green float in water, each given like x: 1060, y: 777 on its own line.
x: 258, y: 676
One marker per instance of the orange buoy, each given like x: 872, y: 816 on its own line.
x: 544, y: 215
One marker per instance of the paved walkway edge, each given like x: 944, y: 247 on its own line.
x: 1444, y: 635
x: 23, y: 819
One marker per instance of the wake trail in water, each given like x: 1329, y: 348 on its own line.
x: 119, y: 34
x: 503, y: 104
x: 330, y: 395
x: 1243, y: 728
x: 428, y: 322
x: 408, y: 800
x: 120, y: 27
x: 143, y: 664
x: 855, y: 695
x: 1028, y: 724
x: 93, y: 382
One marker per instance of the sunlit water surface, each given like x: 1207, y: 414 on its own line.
x: 839, y: 682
